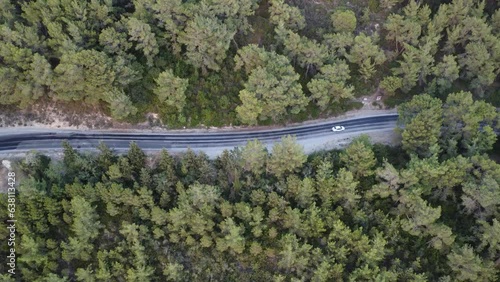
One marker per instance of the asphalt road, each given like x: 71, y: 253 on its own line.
x: 44, y: 140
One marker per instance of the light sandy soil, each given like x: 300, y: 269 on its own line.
x: 58, y: 115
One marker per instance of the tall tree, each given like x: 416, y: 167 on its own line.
x: 171, y: 89
x: 330, y: 85
x: 172, y: 16
x: 255, y: 156
x: 282, y: 13
x: 85, y: 227
x: 389, y: 4
x: 293, y: 254
x: 446, y: 72
x: 344, y: 21
x: 252, y: 56
x: 359, y: 158
x: 490, y: 237
x: 85, y: 75
x: 308, y: 53
x: 415, y: 66
x: 344, y: 190
x: 232, y: 12
x: 136, y: 157
x: 140, y: 32
x: 287, y: 156
x: 192, y: 220
x: 27, y: 78
x: 338, y: 43
x: 390, y: 84
x: 233, y: 239
x: 366, y: 54
x: 479, y: 65
x: 140, y: 270
x: 422, y: 134
x: 402, y: 31
x: 114, y: 41
x: 470, y: 124
x: 481, y: 197
x: 272, y: 89
x: 467, y: 266
x: 120, y: 104
x: 422, y: 118
x: 206, y: 41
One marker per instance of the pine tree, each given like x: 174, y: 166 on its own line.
x: 344, y: 21
x: 120, y: 104
x: 233, y: 239
x: 85, y: 227
x: 467, y: 266
x: 255, y: 156
x: 206, y: 41
x: 338, y: 43
x: 415, y: 66
x: 114, y: 41
x: 446, y: 72
x: 286, y: 157
x: 359, y: 158
x: 423, y: 119
x: 390, y: 84
x: 272, y: 89
x: 136, y: 157
x: 308, y: 53
x: 490, y: 237
x: 171, y: 89
x: 282, y: 13
x: 366, y: 54
x: 402, y: 31
x: 331, y: 84
x: 479, y: 66
x: 140, y: 32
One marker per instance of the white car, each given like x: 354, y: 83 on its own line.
x: 338, y: 128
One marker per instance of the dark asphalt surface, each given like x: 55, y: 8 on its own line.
x: 51, y: 140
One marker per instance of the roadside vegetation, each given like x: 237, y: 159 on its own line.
x: 425, y: 211
x: 221, y: 62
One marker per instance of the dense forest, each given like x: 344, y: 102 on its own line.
x: 426, y: 211
x: 217, y: 62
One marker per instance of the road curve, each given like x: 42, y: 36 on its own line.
x: 44, y: 140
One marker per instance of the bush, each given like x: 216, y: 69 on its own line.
x: 344, y: 21
x: 390, y: 84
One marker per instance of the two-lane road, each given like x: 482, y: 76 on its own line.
x: 45, y: 140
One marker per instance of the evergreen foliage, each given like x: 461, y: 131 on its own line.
x: 124, y: 55
x: 254, y: 215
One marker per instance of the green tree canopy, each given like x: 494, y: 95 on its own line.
x: 286, y: 156
x: 330, y: 85
x: 343, y: 21
x: 366, y: 55
x: 281, y: 13
x: 206, y: 41
x: 171, y: 89
x: 272, y: 89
